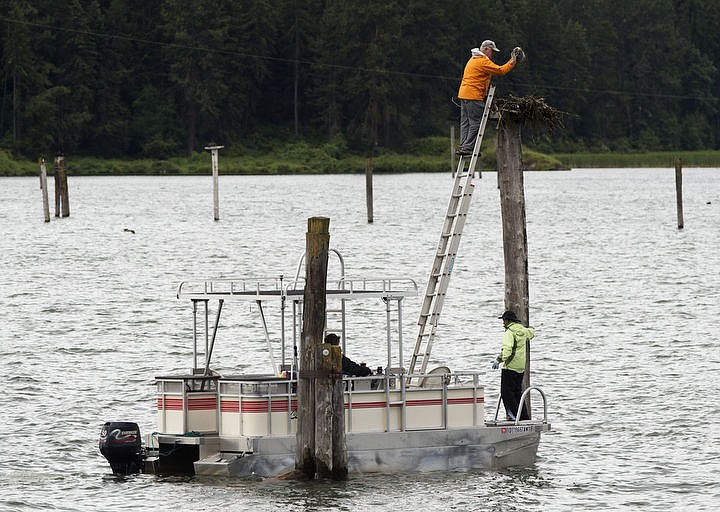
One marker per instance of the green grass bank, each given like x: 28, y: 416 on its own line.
x: 431, y: 154
x: 650, y: 159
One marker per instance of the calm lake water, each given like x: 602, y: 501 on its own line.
x: 626, y: 308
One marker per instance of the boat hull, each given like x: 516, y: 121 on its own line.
x: 493, y: 447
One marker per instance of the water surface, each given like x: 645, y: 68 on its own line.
x: 626, y: 308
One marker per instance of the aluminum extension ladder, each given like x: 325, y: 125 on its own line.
x: 452, y: 229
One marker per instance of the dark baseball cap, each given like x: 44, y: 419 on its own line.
x: 509, y: 315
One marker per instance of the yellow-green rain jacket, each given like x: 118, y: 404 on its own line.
x: 513, y: 346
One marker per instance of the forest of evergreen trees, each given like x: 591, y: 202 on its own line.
x: 138, y: 78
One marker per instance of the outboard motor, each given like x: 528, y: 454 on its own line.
x: 120, y: 445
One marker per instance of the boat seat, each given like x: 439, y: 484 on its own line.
x: 435, y: 377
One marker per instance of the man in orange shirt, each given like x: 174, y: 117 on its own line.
x: 474, y: 88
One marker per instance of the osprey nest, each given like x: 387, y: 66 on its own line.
x: 530, y: 111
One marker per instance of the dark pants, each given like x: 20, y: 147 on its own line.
x: 511, y: 390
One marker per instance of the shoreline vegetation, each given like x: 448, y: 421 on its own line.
x: 425, y: 155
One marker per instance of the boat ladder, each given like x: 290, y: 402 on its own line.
x: 439, y: 280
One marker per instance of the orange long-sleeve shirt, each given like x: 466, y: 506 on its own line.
x: 477, y: 75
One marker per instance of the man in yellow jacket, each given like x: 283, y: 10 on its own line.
x: 513, y: 358
x: 474, y: 88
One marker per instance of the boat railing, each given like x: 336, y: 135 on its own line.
x: 251, y: 285
x: 523, y: 397
x: 278, y: 286
x: 385, y: 284
x: 372, y: 403
x: 434, y: 390
x: 188, y: 403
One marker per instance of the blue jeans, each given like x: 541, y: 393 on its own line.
x: 471, y: 112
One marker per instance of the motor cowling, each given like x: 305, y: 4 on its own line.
x: 120, y: 444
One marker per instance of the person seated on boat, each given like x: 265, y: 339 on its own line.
x: 349, y: 367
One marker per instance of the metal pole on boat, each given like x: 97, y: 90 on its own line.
x: 512, y: 206
x: 401, y: 380
x: 400, y: 334
x: 216, y: 195
x: 207, y: 334
x: 212, y: 341
x: 267, y: 338
x: 282, y: 322
x: 297, y: 312
x: 194, y: 335
x: 387, y: 332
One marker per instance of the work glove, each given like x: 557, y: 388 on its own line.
x: 518, y: 53
x: 495, y: 365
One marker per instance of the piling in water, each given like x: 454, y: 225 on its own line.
x: 216, y: 194
x: 320, y: 448
x: 62, y: 197
x: 512, y: 207
x: 44, y: 189
x: 678, y: 193
x: 514, y: 113
x: 369, y: 189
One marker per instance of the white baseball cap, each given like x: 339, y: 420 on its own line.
x: 489, y: 44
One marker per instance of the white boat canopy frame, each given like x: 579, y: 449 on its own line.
x: 279, y: 290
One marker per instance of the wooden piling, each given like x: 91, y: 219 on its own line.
x: 320, y: 448
x: 62, y: 196
x: 216, y: 194
x: 330, y: 448
x: 44, y: 189
x: 512, y: 207
x: 369, y: 189
x: 678, y: 192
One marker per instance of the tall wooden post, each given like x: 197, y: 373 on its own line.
x: 216, y: 194
x: 320, y: 447
x: 56, y: 186
x: 369, y: 189
x: 678, y: 192
x: 512, y: 207
x: 44, y: 189
x: 62, y: 197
